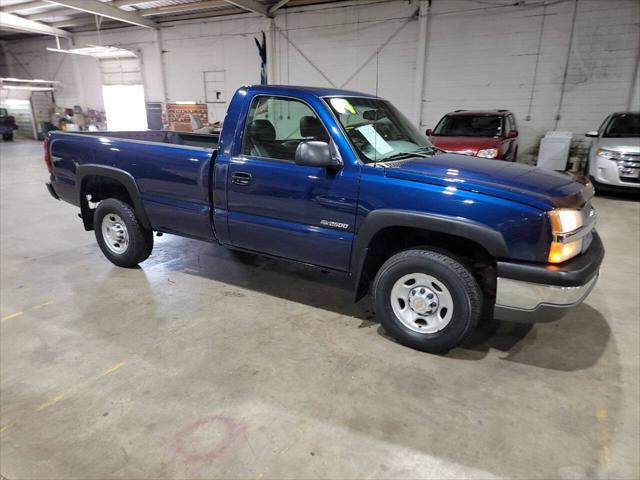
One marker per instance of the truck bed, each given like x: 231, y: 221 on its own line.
x: 202, y: 140
x: 172, y: 172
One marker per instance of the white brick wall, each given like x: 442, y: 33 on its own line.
x: 478, y: 56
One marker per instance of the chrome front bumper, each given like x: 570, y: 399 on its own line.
x: 542, y: 293
x: 534, y: 302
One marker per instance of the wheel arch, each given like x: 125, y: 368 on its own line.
x: 90, y: 176
x: 411, y: 229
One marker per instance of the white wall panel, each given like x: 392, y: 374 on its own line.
x: 33, y: 61
x: 192, y: 49
x: 339, y: 40
x: 139, y: 40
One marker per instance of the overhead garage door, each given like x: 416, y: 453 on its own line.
x: 121, y: 71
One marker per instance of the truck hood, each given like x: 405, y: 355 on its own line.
x: 469, y: 145
x: 539, y: 188
x: 620, y: 144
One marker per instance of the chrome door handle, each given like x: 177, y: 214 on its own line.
x: 241, y: 178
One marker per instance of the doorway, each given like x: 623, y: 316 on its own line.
x: 123, y: 92
x: 125, y: 107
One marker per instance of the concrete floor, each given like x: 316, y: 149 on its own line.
x: 202, y: 365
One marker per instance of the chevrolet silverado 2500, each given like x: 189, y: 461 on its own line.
x: 343, y: 181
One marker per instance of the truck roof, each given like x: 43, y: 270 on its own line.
x: 318, y: 91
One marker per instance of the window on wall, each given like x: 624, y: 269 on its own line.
x: 214, y: 86
x: 275, y: 127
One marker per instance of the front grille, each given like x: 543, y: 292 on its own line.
x: 629, y: 167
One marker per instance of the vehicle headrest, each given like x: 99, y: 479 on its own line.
x: 262, y: 130
x: 312, y: 127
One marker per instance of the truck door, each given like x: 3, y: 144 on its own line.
x: 283, y: 209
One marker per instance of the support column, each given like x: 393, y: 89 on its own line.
x: 634, y: 89
x: 163, y: 76
x: 566, y: 64
x: 77, y: 75
x: 271, y: 53
x: 421, y: 59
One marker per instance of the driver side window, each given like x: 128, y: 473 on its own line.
x: 276, y: 126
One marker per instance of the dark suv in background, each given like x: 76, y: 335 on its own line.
x: 7, y: 125
x: 481, y: 133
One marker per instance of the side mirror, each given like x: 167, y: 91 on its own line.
x: 316, y: 154
x: 512, y: 133
x: 592, y: 133
x: 428, y: 132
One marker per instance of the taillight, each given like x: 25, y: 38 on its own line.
x: 47, y: 155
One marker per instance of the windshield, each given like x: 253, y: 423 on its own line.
x: 470, y: 126
x: 624, y: 125
x: 378, y: 130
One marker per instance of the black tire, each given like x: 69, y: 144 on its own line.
x: 140, y: 239
x: 7, y: 137
x: 463, y: 288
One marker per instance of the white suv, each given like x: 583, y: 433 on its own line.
x: 614, y: 155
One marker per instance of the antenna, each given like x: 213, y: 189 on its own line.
x: 375, y: 137
x: 377, y: 71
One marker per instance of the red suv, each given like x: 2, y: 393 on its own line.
x: 482, y: 133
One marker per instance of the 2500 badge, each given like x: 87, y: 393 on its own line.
x: 329, y: 223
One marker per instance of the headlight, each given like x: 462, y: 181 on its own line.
x: 488, y: 153
x: 610, y: 154
x: 564, y: 221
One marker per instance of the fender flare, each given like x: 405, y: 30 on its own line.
x: 491, y: 240
x: 121, y: 176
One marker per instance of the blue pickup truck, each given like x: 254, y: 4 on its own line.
x: 343, y: 181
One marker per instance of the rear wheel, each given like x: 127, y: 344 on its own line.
x: 427, y: 300
x: 119, y: 234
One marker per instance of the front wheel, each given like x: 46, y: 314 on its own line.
x: 120, y: 236
x: 427, y: 300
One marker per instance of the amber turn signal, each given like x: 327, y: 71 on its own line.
x: 559, y: 252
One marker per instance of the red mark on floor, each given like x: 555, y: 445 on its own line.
x: 208, y: 438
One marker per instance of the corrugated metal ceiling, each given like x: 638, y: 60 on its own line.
x: 156, y: 10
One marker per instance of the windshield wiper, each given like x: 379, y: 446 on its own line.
x: 433, y: 148
x: 420, y: 152
x: 401, y: 155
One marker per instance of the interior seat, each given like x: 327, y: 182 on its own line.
x: 311, y: 127
x: 261, y: 136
